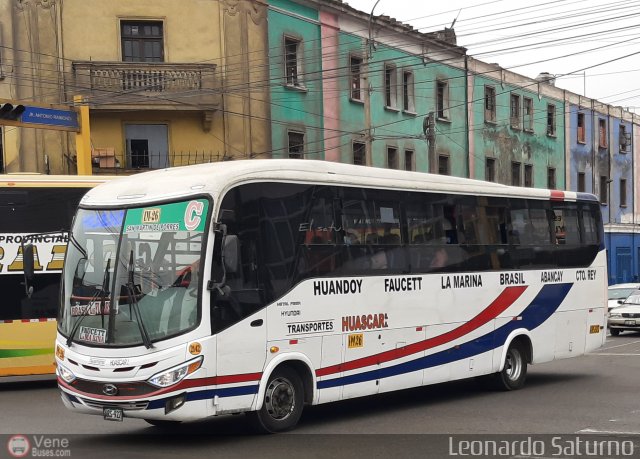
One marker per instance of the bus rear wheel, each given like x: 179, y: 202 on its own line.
x: 514, y: 372
x: 282, y: 404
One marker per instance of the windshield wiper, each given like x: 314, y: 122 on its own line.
x: 102, y: 292
x: 133, y: 303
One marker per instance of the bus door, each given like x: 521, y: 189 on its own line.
x: 238, y: 320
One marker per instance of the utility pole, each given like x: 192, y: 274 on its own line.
x: 429, y: 129
x: 367, y: 92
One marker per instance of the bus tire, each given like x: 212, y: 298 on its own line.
x: 614, y: 331
x: 514, y: 372
x: 282, y: 404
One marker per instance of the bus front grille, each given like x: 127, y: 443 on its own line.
x: 99, y: 404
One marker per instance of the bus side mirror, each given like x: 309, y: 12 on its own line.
x: 28, y: 261
x: 231, y: 253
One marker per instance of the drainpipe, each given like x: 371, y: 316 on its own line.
x: 466, y: 113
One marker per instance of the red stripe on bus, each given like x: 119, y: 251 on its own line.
x: 508, y: 296
x: 185, y: 384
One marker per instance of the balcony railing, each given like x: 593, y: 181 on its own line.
x: 143, y: 85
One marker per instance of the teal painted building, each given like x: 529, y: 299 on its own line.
x: 517, y: 130
x: 295, y: 80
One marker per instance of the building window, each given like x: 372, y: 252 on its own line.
x: 490, y: 104
x: 515, y: 111
x: 581, y: 129
x: 142, y: 41
x: 292, y: 61
x: 625, y: 139
x: 408, y: 160
x: 528, y: 114
x: 443, y: 165
x: 392, y: 158
x: 390, y: 85
x: 355, y: 65
x: 604, y: 185
x: 582, y: 182
x: 623, y: 192
x: 359, y: 154
x: 515, y: 173
x: 296, y: 145
x: 602, y: 133
x: 490, y: 170
x: 442, y: 100
x: 528, y: 175
x: 551, y: 120
x: 551, y: 178
x: 408, y: 95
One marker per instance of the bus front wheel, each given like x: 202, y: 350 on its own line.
x: 282, y: 403
x: 514, y: 372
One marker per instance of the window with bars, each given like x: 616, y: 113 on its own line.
x: 490, y: 170
x: 604, y: 189
x: 296, y: 145
x: 409, y: 164
x: 359, y: 154
x: 514, y: 116
x: 408, y: 95
x: 528, y: 114
x: 392, y: 158
x: 390, y: 86
x: 551, y: 178
x: 602, y: 133
x: 355, y: 65
x: 443, y: 165
x: 442, y: 100
x: 551, y: 120
x: 516, y: 171
x: 625, y: 139
x: 490, y: 104
x: 582, y: 182
x: 528, y: 175
x: 582, y: 136
x: 292, y: 61
x: 142, y: 41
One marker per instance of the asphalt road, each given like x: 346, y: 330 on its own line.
x: 590, y: 397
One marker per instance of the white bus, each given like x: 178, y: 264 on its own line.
x: 260, y: 286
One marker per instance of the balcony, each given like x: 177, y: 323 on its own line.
x: 147, y: 85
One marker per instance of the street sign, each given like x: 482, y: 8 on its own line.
x: 39, y: 116
x: 50, y: 117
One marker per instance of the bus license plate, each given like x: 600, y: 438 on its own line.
x: 629, y: 322
x: 112, y: 414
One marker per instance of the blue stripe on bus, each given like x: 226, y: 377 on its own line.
x: 540, y: 309
x: 207, y: 394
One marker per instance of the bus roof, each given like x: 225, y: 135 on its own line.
x: 43, y: 181
x: 216, y: 178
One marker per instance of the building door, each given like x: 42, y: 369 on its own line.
x: 623, y: 265
x: 147, y: 146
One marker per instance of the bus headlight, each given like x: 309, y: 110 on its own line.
x: 66, y: 374
x: 176, y: 374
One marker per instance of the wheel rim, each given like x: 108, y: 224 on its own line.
x: 280, y: 399
x: 513, y: 365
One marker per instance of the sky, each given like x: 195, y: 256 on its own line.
x: 592, y: 47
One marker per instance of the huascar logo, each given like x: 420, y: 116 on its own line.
x: 18, y: 446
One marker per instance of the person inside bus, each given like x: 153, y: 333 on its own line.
x: 378, y: 260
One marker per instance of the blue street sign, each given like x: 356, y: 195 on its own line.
x: 50, y: 117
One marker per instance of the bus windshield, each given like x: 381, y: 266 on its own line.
x: 131, y: 276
